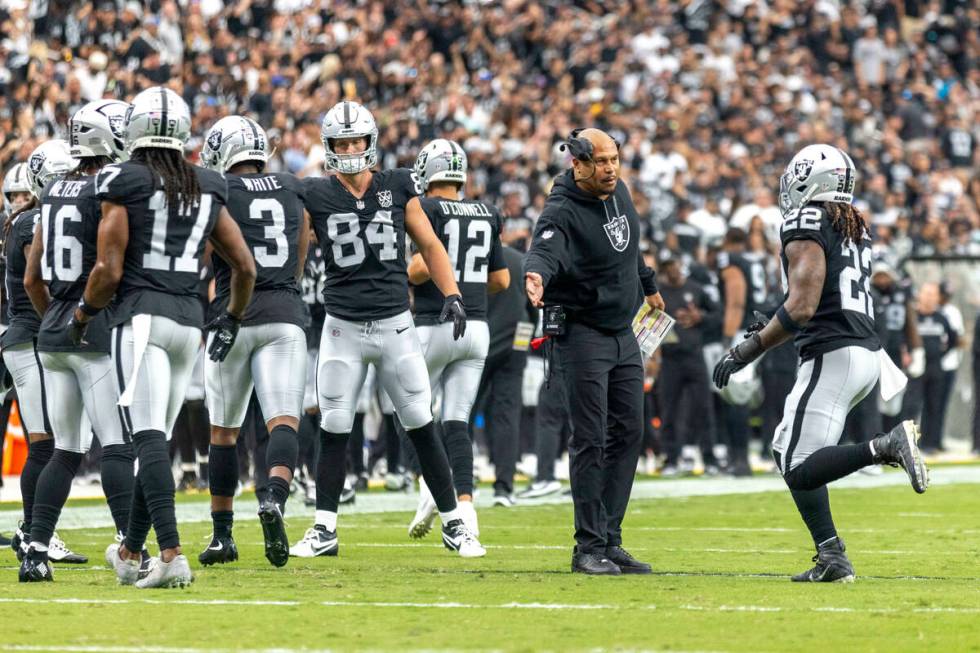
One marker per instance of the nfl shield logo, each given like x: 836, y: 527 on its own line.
x: 618, y: 232
x: 384, y: 199
x: 359, y: 204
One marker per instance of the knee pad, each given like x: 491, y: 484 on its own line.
x: 337, y: 420
x: 412, y: 374
x: 223, y: 470
x: 283, y: 448
x: 334, y: 381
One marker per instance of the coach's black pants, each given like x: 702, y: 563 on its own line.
x: 686, y: 393
x: 604, y: 380
x: 500, y: 394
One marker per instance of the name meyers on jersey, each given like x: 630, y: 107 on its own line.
x: 66, y: 188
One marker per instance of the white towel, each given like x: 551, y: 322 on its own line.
x: 141, y: 338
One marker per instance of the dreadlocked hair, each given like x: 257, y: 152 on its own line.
x: 9, y: 222
x: 847, y: 220
x: 180, y: 184
x: 87, y: 163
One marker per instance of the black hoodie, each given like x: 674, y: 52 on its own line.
x: 587, y: 252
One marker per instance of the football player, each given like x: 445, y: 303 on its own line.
x: 360, y: 218
x: 470, y: 232
x: 829, y: 312
x: 269, y: 354
x: 76, y: 378
x: 47, y: 162
x: 158, y: 211
x: 742, y: 278
x: 16, y: 189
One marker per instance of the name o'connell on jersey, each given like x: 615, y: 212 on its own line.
x: 363, y: 243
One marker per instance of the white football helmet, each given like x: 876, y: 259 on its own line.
x: 818, y: 173
x: 744, y: 387
x: 158, y: 118
x: 441, y: 160
x: 349, y: 120
x: 15, y: 181
x: 49, y: 160
x: 232, y: 140
x: 98, y: 129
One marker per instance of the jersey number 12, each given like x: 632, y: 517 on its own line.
x: 475, y: 265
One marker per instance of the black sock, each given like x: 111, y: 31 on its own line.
x: 223, y: 470
x: 223, y: 521
x: 38, y: 455
x: 53, y: 488
x: 157, y: 482
x: 331, y: 467
x: 459, y: 448
x: 435, y: 466
x: 357, y: 445
x: 117, y: 482
x: 814, y: 507
x: 393, y: 451
x: 829, y: 464
x: 279, y: 490
x: 139, y: 520
x: 283, y: 448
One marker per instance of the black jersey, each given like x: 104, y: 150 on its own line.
x: 753, y: 268
x: 470, y: 232
x: 163, y: 257
x: 314, y: 278
x: 22, y: 320
x: 845, y: 315
x: 70, y: 215
x: 269, y: 210
x: 938, y: 337
x: 363, y: 243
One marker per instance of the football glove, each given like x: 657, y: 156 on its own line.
x: 737, y: 358
x: 76, y: 331
x: 225, y: 328
x: 453, y: 309
x: 760, y: 323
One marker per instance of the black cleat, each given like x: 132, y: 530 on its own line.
x: 17, y: 543
x: 35, y: 568
x: 145, y: 560
x: 274, y: 532
x: 220, y: 551
x: 594, y: 564
x: 626, y: 562
x: 832, y: 565
x: 899, y: 448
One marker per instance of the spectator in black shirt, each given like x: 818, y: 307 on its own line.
x: 938, y: 337
x: 683, y: 385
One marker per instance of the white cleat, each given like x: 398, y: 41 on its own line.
x: 317, y: 541
x: 58, y: 551
x: 540, y: 489
x: 127, y: 571
x: 457, y: 537
x: 425, y: 514
x: 176, y: 573
x: 467, y: 511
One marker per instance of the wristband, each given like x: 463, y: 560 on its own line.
x: 788, y: 323
x: 87, y: 308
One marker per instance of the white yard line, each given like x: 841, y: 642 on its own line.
x: 453, y: 605
x: 98, y: 516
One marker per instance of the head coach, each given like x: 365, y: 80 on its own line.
x: 585, y: 268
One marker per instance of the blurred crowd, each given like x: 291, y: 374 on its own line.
x: 709, y: 98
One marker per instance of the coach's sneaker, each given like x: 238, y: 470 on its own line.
x: 899, y: 448
x: 127, y: 571
x: 467, y: 511
x: 457, y: 537
x: 317, y: 541
x: 347, y: 495
x: 832, y: 565
x: 35, y: 567
x: 593, y: 564
x: 59, y: 552
x: 176, y: 573
x: 397, y: 482
x: 626, y: 562
x: 219, y: 551
x: 540, y: 489
x: 425, y: 514
x: 274, y: 532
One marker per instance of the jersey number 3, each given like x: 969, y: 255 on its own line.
x: 855, y: 280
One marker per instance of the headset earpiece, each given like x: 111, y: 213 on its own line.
x: 579, y: 148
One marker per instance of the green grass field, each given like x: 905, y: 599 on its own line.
x: 721, y: 584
